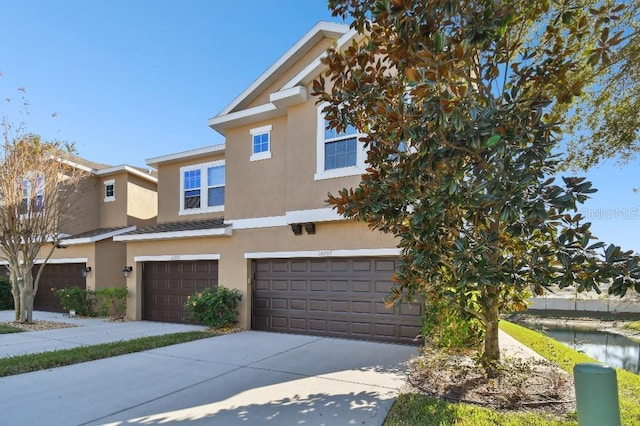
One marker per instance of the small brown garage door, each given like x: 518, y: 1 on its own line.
x: 338, y: 297
x: 166, y: 286
x: 56, y: 275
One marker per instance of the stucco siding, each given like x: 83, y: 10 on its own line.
x: 142, y: 201
x: 234, y: 268
x: 169, y: 190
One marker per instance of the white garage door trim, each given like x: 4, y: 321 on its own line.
x: 323, y: 253
x: 174, y: 257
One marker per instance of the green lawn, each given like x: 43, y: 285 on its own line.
x: 633, y: 326
x: 415, y: 409
x: 6, y: 329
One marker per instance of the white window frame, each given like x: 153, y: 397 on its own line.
x: 27, y: 192
x: 321, y: 173
x: 264, y: 155
x: 106, y: 183
x: 204, y: 193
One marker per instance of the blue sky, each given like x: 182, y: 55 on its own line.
x: 130, y: 80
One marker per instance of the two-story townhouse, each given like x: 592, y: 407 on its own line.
x: 301, y: 266
x: 110, y: 200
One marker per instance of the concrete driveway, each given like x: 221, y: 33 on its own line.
x: 244, y: 378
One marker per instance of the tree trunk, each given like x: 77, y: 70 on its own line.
x: 15, y: 291
x: 490, y: 358
x: 26, y: 298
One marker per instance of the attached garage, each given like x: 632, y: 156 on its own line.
x: 166, y: 286
x: 56, y: 275
x: 337, y: 297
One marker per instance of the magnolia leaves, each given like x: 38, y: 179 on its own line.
x: 493, y: 140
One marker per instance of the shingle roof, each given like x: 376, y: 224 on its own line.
x: 95, y: 232
x: 193, y: 225
x: 95, y: 235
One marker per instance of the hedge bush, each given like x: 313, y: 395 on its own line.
x: 6, y: 298
x: 111, y: 301
x: 215, y: 308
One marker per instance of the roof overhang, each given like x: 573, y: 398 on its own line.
x: 123, y: 168
x: 311, y: 38
x: 216, y: 232
x: 186, y: 155
x: 95, y: 238
x: 126, y: 169
x: 294, y: 91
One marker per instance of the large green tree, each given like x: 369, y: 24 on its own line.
x: 604, y: 120
x: 459, y: 103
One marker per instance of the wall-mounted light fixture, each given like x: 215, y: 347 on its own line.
x: 310, y: 228
x: 296, y: 228
x: 7, y: 272
x: 85, y: 271
x: 126, y: 271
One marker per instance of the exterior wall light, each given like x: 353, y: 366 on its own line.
x: 296, y: 228
x: 85, y: 271
x: 126, y: 271
x: 310, y: 228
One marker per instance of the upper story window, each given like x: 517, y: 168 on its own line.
x: 338, y: 154
x: 32, y: 195
x: 260, y: 143
x: 109, y: 190
x: 202, y: 188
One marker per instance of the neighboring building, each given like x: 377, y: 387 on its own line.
x: 110, y: 200
x: 251, y: 214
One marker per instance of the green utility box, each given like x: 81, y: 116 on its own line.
x: 596, y: 395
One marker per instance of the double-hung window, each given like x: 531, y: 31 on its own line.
x: 32, y: 195
x: 202, y: 188
x: 338, y: 153
x: 260, y: 143
x: 109, y: 190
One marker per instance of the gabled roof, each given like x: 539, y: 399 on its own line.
x: 185, y: 229
x: 309, y: 40
x: 293, y: 92
x: 100, y: 169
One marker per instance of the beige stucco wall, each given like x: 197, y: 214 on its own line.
x: 135, y: 203
x: 284, y: 182
x: 169, y: 190
x: 256, y: 188
x: 110, y: 258
x: 142, y: 201
x: 113, y: 213
x: 234, y: 268
x: 84, y: 214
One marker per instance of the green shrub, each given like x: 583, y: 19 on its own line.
x: 447, y: 325
x: 214, y: 308
x: 6, y: 298
x: 111, y: 301
x: 76, y: 299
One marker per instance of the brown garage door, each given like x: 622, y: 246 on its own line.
x: 56, y: 275
x: 166, y: 286
x: 336, y: 297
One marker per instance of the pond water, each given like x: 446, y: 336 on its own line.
x: 611, y: 349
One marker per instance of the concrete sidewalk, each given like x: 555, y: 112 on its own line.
x: 89, y: 331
